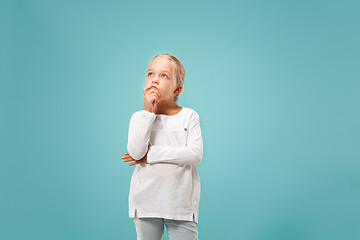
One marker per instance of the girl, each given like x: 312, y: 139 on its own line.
x: 165, y: 144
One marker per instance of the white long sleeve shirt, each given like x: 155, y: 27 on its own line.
x: 169, y: 186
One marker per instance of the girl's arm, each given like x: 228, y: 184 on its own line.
x: 191, y: 154
x: 139, y: 133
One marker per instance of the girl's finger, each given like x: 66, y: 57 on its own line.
x: 155, y: 95
x: 127, y: 158
x: 155, y: 91
x: 154, y: 98
x: 146, y: 90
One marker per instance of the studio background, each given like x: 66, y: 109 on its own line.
x: 276, y: 85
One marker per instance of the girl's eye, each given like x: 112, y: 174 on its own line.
x: 149, y: 74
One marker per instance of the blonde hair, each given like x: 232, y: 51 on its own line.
x: 178, y: 70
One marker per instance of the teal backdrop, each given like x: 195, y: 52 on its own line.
x: 276, y: 85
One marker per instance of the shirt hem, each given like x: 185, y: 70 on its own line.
x: 192, y: 218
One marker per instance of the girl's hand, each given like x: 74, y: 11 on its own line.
x: 128, y: 158
x: 151, y: 97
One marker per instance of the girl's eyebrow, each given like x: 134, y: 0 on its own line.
x: 162, y: 70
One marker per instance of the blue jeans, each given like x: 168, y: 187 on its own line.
x: 153, y: 229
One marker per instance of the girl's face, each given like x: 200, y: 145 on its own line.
x: 160, y: 75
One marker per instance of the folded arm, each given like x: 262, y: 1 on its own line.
x: 139, y: 133
x: 190, y: 154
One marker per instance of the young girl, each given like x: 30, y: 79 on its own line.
x: 165, y: 144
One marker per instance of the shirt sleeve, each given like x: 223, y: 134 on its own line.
x: 190, y: 154
x: 139, y: 133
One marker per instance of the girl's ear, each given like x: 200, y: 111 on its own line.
x: 178, y: 90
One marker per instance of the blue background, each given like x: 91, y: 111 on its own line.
x: 276, y: 85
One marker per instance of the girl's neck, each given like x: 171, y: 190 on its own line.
x: 166, y: 108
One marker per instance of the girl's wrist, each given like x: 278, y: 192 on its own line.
x: 147, y: 108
